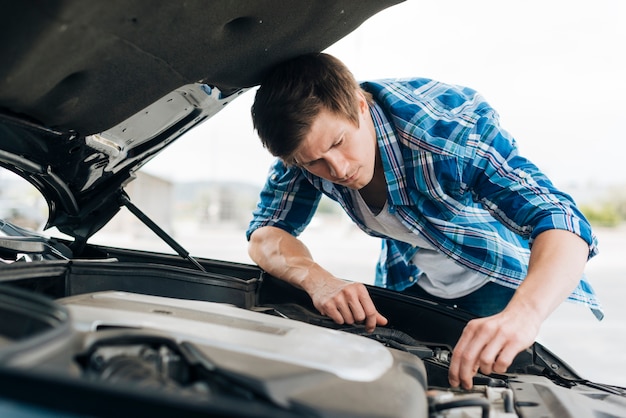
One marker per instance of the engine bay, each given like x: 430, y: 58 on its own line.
x: 207, y: 350
x: 125, y: 333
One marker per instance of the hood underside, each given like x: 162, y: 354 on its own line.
x: 141, y: 73
x: 86, y: 66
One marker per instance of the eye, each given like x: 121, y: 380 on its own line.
x: 339, y: 142
x: 310, y: 163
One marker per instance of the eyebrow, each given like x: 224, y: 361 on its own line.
x: 337, y: 138
x: 307, y: 162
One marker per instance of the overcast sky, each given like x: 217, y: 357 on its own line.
x: 554, y: 70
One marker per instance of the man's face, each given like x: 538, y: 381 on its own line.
x: 337, y: 150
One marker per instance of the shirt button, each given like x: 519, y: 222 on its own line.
x: 411, y: 279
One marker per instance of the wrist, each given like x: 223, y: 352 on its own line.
x: 522, y: 306
x: 313, y: 278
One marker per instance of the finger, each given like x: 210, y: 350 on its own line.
x: 505, y: 359
x: 466, y: 374
x: 489, y: 355
x: 358, y: 313
x: 463, y: 372
x: 470, y: 365
x: 372, y: 316
x: 330, y: 309
x: 335, y: 315
x: 500, y: 353
x: 455, y: 363
x: 371, y: 320
x: 465, y: 357
x: 345, y: 312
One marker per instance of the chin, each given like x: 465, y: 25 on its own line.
x: 362, y: 182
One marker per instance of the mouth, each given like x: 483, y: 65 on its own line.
x: 350, y: 179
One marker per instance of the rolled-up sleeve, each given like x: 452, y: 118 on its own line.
x: 287, y: 201
x: 514, y: 190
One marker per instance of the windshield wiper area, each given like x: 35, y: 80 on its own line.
x: 125, y: 201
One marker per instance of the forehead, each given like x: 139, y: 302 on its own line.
x: 326, y: 129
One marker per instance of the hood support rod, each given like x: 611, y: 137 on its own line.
x: 125, y: 200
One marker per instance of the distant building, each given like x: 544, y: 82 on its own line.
x: 153, y: 196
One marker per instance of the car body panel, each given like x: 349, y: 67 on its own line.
x: 86, y: 67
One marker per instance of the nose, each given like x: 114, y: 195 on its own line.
x: 337, y: 166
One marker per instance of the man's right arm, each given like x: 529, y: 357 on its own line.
x: 284, y: 256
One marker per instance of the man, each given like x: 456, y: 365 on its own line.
x: 464, y: 218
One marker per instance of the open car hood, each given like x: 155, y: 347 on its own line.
x: 90, y: 91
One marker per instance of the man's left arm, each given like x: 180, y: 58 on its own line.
x: 557, y: 262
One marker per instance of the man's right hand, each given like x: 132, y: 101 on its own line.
x: 285, y: 257
x: 345, y: 302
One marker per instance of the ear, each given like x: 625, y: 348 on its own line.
x: 362, y: 105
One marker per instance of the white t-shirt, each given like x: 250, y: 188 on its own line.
x: 441, y: 276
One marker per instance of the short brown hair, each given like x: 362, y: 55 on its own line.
x: 294, y: 92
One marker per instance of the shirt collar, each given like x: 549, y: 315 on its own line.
x: 391, y: 157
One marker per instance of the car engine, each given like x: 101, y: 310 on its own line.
x: 210, y: 350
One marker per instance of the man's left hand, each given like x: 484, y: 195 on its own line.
x: 490, y: 344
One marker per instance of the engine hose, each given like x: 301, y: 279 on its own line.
x: 438, y: 406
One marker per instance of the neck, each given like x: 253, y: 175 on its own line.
x: 375, y: 192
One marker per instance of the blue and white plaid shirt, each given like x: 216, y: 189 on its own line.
x: 453, y: 175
